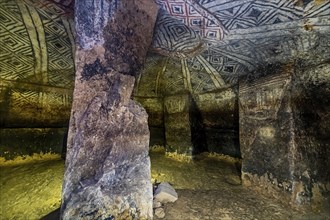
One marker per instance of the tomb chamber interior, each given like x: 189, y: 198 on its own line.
x: 103, y: 101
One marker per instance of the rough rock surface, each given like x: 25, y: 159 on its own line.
x: 107, y: 166
x: 160, y: 212
x: 283, y: 123
x: 165, y: 193
x: 177, y: 124
x: 156, y: 204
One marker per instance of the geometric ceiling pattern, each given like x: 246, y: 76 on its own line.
x: 16, y: 51
x: 202, y: 44
x: 36, y: 62
x: 247, y: 14
x: 37, y: 43
x: 251, y: 34
x: 174, y: 38
x: 65, y: 3
x: 195, y: 17
x: 198, y: 46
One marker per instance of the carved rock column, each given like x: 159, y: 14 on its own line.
x: 177, y: 124
x: 284, y: 134
x: 107, y: 165
x: 266, y: 124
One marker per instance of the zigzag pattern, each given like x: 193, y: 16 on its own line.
x: 254, y: 27
x: 30, y: 100
x: 53, y: 10
x: 317, y: 10
x: 163, y: 75
x: 254, y: 32
x: 61, y: 78
x: 243, y: 56
x: 148, y: 83
x: 23, y: 99
x: 253, y: 13
x: 200, y: 78
x: 57, y: 30
x: 174, y: 82
x: 229, y: 67
x: 260, y: 32
x: 195, y: 17
x: 38, y: 56
x: 16, y: 55
x: 57, y: 99
x: 59, y: 52
x: 174, y: 38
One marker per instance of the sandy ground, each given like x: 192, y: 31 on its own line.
x: 30, y: 190
x: 208, y: 188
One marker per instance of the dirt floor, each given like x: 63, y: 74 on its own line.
x: 209, y: 187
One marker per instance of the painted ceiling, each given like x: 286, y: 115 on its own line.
x: 209, y: 44
x: 198, y: 45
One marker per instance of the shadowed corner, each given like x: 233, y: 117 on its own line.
x: 54, y: 215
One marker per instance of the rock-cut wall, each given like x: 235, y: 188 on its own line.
x: 36, y: 76
x: 199, y: 48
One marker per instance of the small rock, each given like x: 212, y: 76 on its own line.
x: 156, y: 204
x: 160, y: 213
x: 165, y: 193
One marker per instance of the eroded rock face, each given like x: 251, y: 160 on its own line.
x: 107, y: 166
x: 282, y: 134
x: 283, y: 104
x: 177, y: 124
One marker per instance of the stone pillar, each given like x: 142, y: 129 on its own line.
x: 265, y: 128
x: 310, y: 97
x: 107, y: 173
x: 282, y: 149
x: 177, y: 124
x: 184, y: 129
